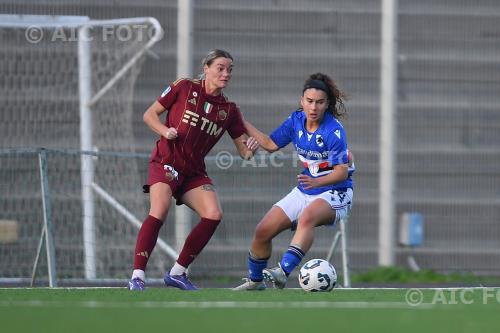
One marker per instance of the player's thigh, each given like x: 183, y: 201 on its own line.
x: 160, y: 196
x: 204, y: 201
x: 318, y: 212
x: 274, y: 222
x: 293, y: 204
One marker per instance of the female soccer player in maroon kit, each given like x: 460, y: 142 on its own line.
x: 198, y: 115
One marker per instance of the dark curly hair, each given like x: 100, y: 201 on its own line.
x: 336, y: 97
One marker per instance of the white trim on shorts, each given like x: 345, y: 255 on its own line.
x: 294, y: 203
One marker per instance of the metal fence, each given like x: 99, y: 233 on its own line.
x: 41, y: 201
x: 42, y: 215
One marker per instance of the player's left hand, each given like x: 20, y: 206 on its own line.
x: 307, y: 182
x: 251, y: 144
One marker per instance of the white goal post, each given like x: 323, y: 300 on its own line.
x: 87, y: 100
x: 126, y: 40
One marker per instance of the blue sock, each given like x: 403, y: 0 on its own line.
x: 255, y: 268
x: 291, y: 259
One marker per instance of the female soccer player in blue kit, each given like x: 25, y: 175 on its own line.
x: 324, y: 193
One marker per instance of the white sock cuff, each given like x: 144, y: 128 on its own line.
x: 177, y: 269
x: 139, y: 273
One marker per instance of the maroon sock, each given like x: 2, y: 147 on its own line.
x: 146, y: 241
x: 197, y: 240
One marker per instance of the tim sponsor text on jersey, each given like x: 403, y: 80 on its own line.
x: 193, y: 119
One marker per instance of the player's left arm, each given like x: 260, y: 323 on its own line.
x: 246, y: 146
x: 339, y: 174
x: 330, y: 179
x: 341, y: 159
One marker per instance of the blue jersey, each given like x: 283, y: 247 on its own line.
x: 318, y: 151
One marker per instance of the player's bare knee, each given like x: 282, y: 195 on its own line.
x: 262, y: 233
x: 159, y: 215
x: 214, y: 214
x: 306, y: 221
x: 159, y: 210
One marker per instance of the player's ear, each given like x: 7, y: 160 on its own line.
x: 205, y: 69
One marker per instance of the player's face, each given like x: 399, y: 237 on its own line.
x: 314, y: 102
x: 218, y: 74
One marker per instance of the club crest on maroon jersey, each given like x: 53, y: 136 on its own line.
x: 222, y: 115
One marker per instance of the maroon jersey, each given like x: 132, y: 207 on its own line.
x: 200, y: 121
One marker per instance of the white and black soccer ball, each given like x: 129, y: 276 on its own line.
x: 317, y: 275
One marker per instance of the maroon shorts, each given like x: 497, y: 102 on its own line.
x: 179, y: 185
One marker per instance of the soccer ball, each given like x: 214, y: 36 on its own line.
x: 317, y: 275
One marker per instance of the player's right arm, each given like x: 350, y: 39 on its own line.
x: 165, y: 101
x: 152, y: 118
x: 263, y: 139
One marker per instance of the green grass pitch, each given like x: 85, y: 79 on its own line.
x: 222, y: 310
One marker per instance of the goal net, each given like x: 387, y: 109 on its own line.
x: 68, y: 83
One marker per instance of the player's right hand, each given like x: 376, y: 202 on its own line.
x: 251, y: 144
x: 171, y: 133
